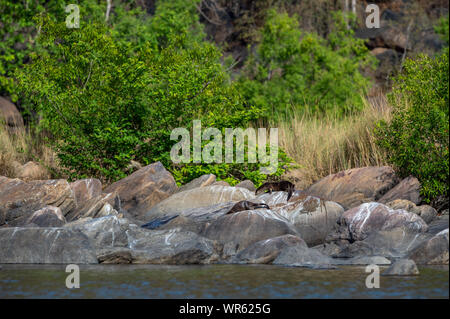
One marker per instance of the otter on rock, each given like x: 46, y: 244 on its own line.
x: 284, y: 186
x: 246, y: 205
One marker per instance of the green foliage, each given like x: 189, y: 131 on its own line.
x: 107, y: 103
x: 17, y: 37
x: 295, y: 69
x: 417, y: 138
x: 442, y: 28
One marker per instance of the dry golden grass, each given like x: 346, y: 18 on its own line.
x: 329, y: 144
x: 19, y: 147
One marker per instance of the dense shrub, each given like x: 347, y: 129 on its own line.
x: 107, y: 100
x: 292, y: 69
x: 417, y: 138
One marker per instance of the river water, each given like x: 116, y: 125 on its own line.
x: 216, y: 281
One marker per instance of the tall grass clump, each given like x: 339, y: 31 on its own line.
x: 324, y: 144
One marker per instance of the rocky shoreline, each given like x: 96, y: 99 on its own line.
x: 355, y: 217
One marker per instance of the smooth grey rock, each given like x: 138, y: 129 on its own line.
x: 202, y: 181
x: 439, y: 224
x: 433, y: 251
x: 104, y: 232
x: 276, y: 199
x: 143, y: 189
x: 19, y: 199
x: 355, y: 186
x: 402, y: 267
x: 300, y: 256
x: 247, y: 184
x: 194, y: 219
x: 172, y: 246
x: 98, y: 206
x: 85, y: 189
x: 39, y: 245
x: 312, y: 217
x: 239, y: 230
x: 426, y: 212
x: 393, y: 243
x: 371, y: 217
x: 197, y: 198
x: 115, y: 255
x: 408, y: 189
x: 329, y: 249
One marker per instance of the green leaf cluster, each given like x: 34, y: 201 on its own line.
x: 294, y: 70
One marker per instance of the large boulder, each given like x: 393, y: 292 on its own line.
x: 197, y: 198
x: 439, y: 224
x: 369, y: 218
x: 301, y: 256
x: 202, y: 181
x: 433, y: 251
x: 49, y: 216
x: 393, y: 243
x: 239, y: 230
x: 266, y: 251
x: 103, y: 232
x: 247, y: 184
x: 407, y: 189
x: 426, y: 212
x: 98, y: 206
x: 362, y: 260
x: 163, y: 247
x: 143, y: 189
x: 85, y: 189
x: 19, y: 199
x: 402, y: 267
x: 194, y: 219
x: 355, y: 186
x: 117, y: 240
x: 312, y: 217
x: 274, y: 199
x: 9, y: 114
x: 39, y: 245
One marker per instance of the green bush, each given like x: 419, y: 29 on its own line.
x: 106, y: 102
x: 417, y: 138
x: 296, y: 70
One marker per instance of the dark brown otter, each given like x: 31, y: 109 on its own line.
x: 284, y: 186
x: 246, y: 205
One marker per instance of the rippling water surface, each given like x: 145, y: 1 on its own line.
x: 215, y: 281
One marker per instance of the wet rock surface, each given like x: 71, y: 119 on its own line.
x: 80, y: 223
x: 143, y: 189
x: 42, y: 245
x: 402, y: 267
